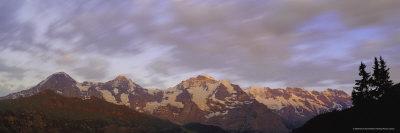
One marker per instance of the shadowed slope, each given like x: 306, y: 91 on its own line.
x: 50, y: 112
x: 201, y: 128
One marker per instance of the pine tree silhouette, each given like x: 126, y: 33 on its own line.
x: 375, y: 80
x: 380, y: 78
x: 375, y: 101
x: 386, y: 82
x: 389, y: 94
x: 360, y: 93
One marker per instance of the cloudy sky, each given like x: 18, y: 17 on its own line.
x: 277, y: 43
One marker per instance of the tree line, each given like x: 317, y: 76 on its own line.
x: 373, y: 88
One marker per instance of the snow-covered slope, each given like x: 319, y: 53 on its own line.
x: 203, y: 99
x: 118, y: 90
x: 298, y: 105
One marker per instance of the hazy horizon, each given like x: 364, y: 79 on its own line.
x: 304, y: 43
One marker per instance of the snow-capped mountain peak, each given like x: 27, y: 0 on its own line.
x: 205, y: 76
x: 121, y: 78
x: 208, y: 83
x: 229, y: 86
x: 123, y: 83
x: 209, y: 93
x: 201, y: 99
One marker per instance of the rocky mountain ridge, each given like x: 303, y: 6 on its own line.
x: 296, y: 105
x: 200, y: 99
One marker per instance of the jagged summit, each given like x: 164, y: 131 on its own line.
x: 60, y: 75
x: 295, y: 89
x: 203, y: 77
x: 297, y: 105
x: 122, y: 85
x: 206, y: 76
x: 334, y: 92
x: 210, y: 85
x: 121, y: 78
x: 57, y: 78
x: 200, y: 79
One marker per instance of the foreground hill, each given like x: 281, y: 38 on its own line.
x: 201, y: 128
x: 296, y: 105
x: 379, y: 117
x: 50, y: 112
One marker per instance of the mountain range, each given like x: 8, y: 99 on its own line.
x: 204, y: 99
x: 296, y: 105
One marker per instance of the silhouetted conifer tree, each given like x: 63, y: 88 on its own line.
x: 380, y: 78
x: 385, y: 75
x: 375, y: 79
x: 360, y: 93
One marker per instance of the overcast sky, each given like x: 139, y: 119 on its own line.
x: 314, y: 44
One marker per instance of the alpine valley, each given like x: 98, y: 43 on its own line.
x: 199, y: 102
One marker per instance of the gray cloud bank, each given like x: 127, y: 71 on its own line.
x: 304, y: 43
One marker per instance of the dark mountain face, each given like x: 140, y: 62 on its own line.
x: 59, y: 82
x: 50, y: 112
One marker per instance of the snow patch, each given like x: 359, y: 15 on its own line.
x: 115, y: 91
x: 169, y: 98
x: 107, y: 95
x: 83, y: 87
x: 207, y: 76
x: 200, y: 94
x: 151, y: 106
x: 125, y: 99
x: 337, y: 106
x: 228, y: 85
